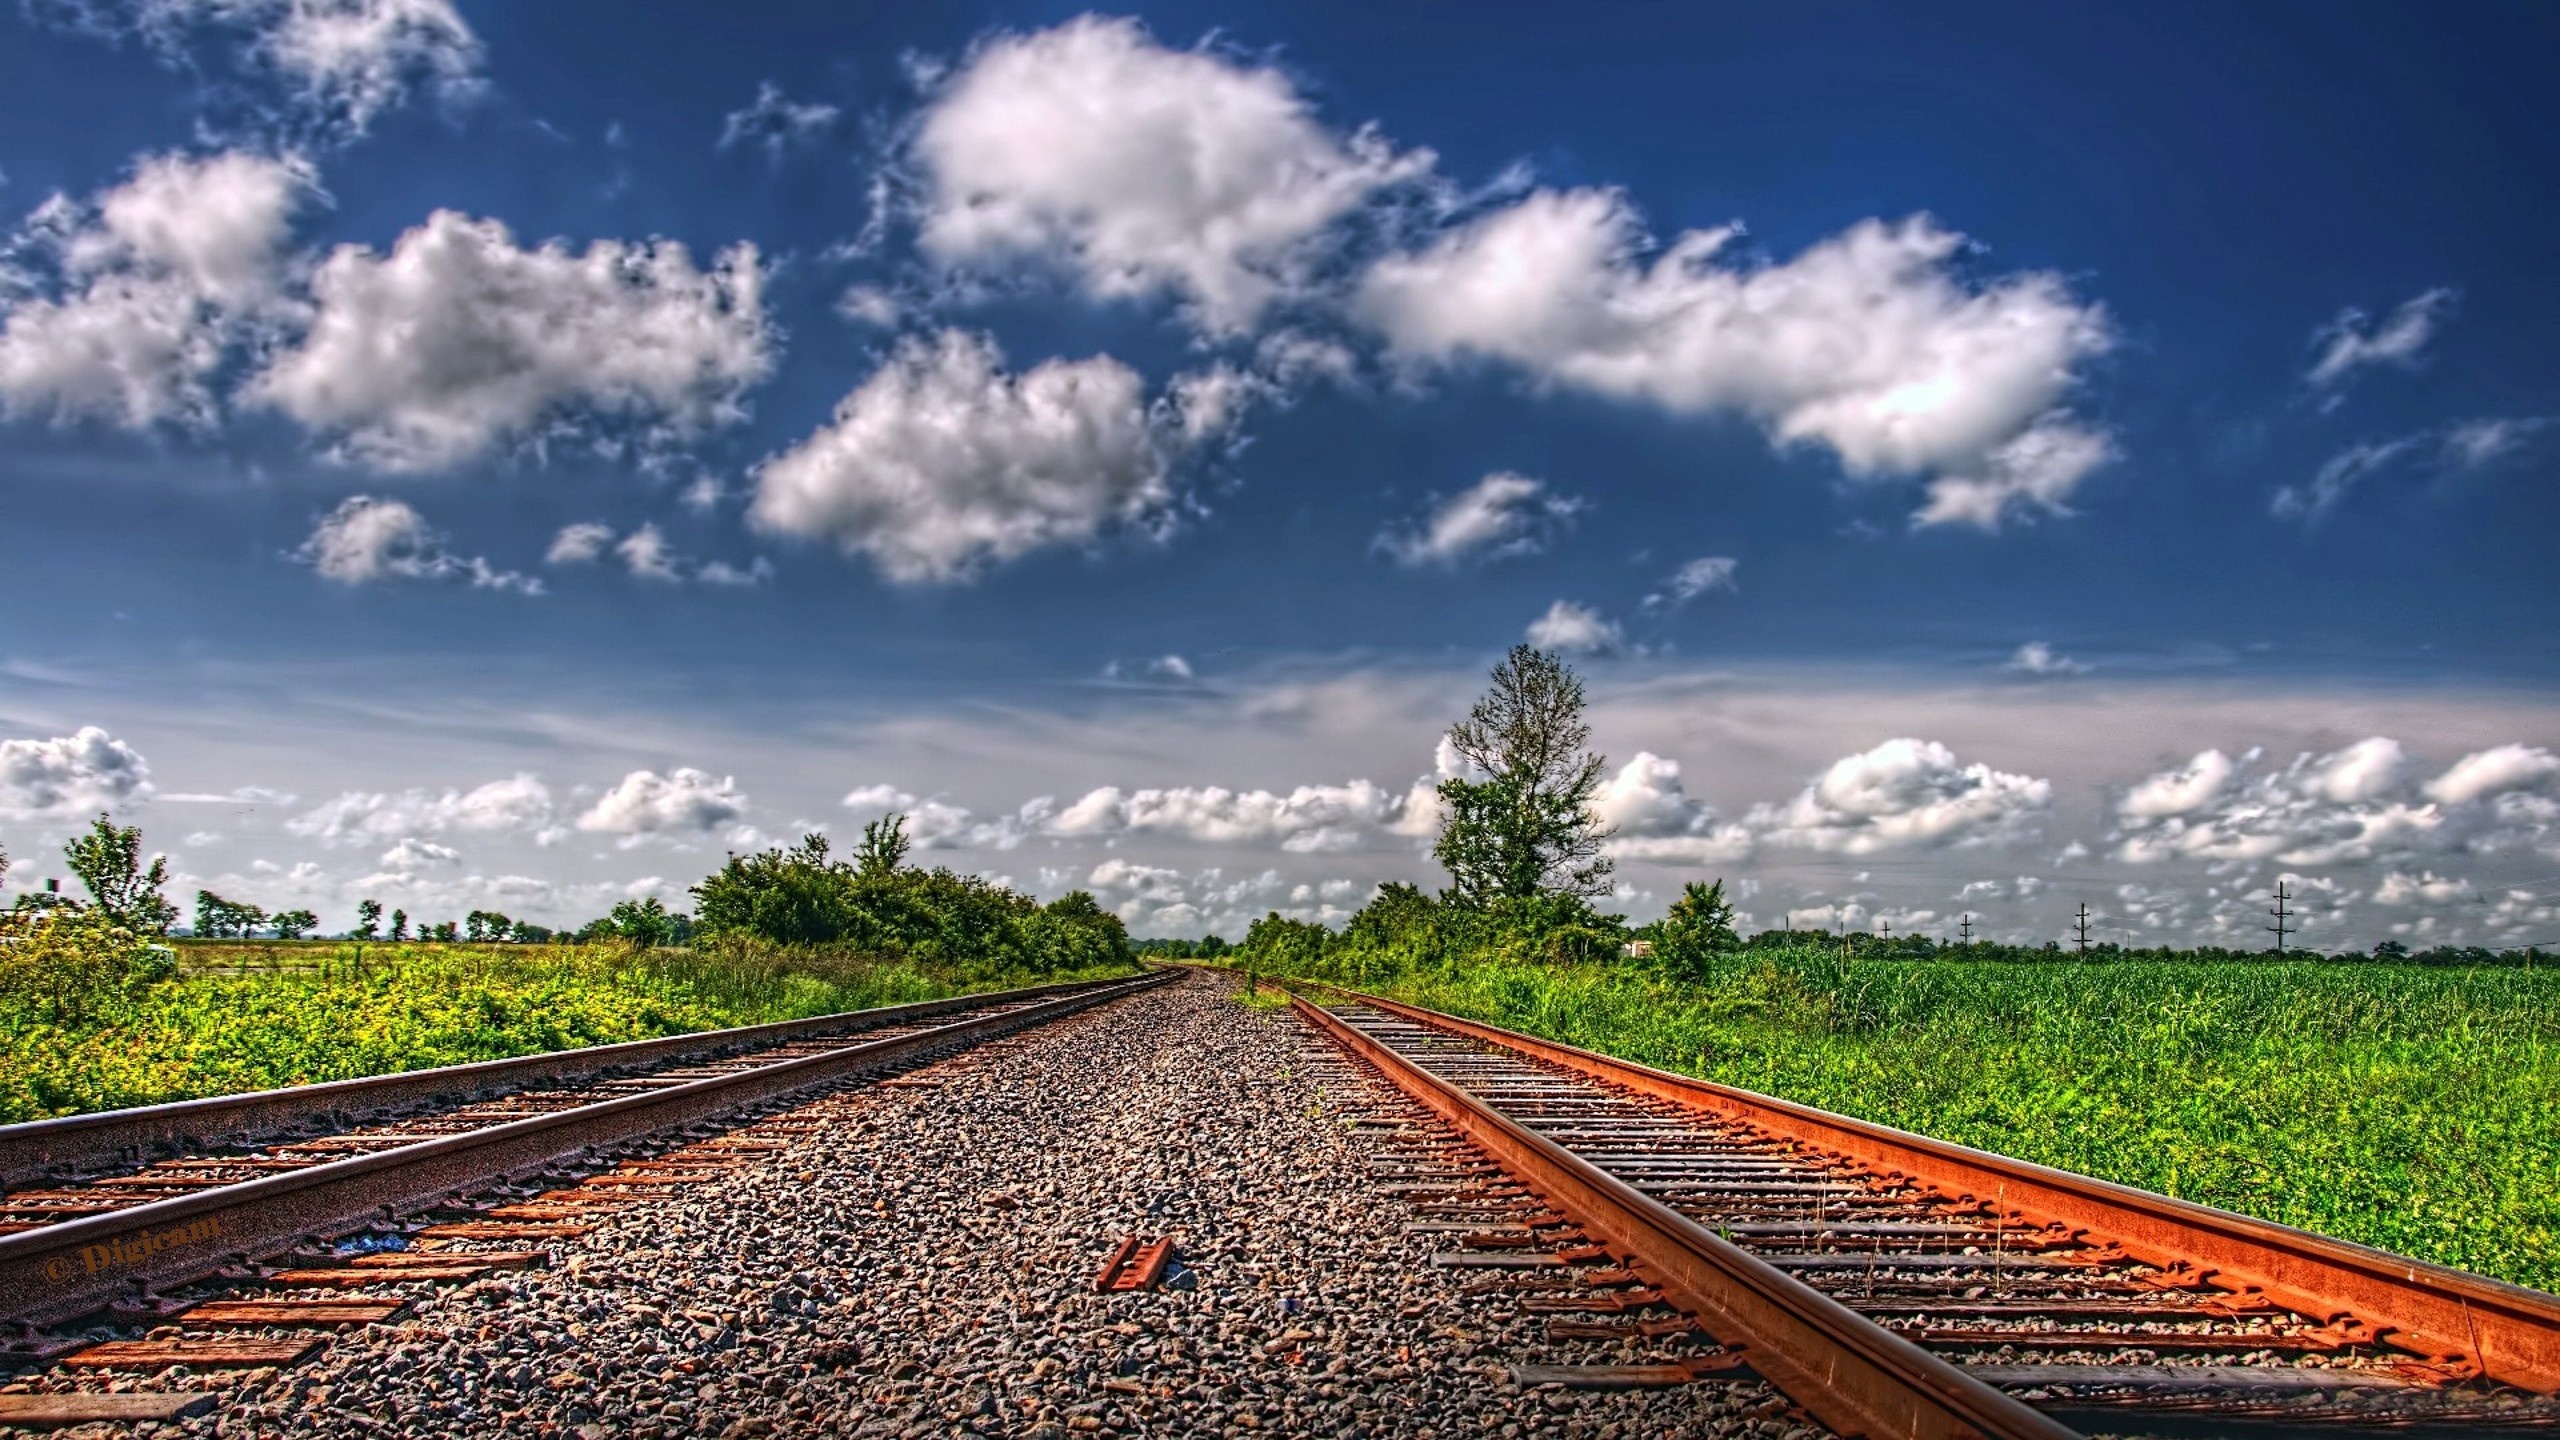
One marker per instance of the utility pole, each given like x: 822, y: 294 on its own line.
x: 1965, y: 930
x: 2080, y: 927
x: 1887, y: 927
x: 2282, y: 914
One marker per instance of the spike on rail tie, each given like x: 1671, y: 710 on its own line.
x: 1133, y: 1266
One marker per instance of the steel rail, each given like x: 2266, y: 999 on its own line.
x: 37, y: 1150
x: 2510, y: 1333
x: 66, y: 1270
x: 1849, y: 1373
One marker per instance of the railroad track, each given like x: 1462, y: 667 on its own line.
x: 1893, y: 1285
x: 126, y: 1204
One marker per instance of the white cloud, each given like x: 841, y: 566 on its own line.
x: 645, y: 554
x: 2182, y: 791
x: 579, y: 544
x: 368, y: 539
x: 648, y: 555
x: 1500, y: 516
x: 937, y: 824
x: 2425, y: 888
x: 1868, y: 343
x: 459, y: 340
x: 153, y: 285
x: 346, y: 61
x: 2039, y: 659
x: 777, y: 123
x: 2340, y: 474
x: 1308, y: 818
x: 2352, y: 341
x: 681, y: 801
x: 1905, y: 793
x: 1027, y: 152
x: 941, y: 463
x: 70, y: 775
x: 1654, y: 818
x: 519, y: 804
x: 1707, y: 572
x: 868, y: 305
x: 1162, y: 670
x: 2354, y: 805
x: 413, y: 854
x: 2488, y: 773
x: 2471, y: 444
x: 1570, y: 629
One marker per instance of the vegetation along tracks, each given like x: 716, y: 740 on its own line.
x: 77, y: 1249
x: 1896, y: 1285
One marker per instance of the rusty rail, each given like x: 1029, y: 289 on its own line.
x: 69, y: 1269
x: 89, y: 1143
x: 1850, y: 1374
x: 2509, y: 1333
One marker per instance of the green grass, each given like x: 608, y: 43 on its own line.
x: 257, y: 1015
x: 2412, y: 1108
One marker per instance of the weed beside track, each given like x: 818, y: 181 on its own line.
x: 253, y: 1017
x: 2412, y: 1108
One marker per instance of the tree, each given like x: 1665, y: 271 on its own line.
x: 1526, y: 829
x: 368, y: 920
x: 217, y: 918
x: 294, y: 924
x: 884, y: 846
x: 643, y: 922
x: 1699, y: 926
x: 108, y: 861
x: 399, y: 926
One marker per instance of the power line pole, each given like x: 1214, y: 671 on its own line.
x: 2080, y: 927
x: 2282, y: 914
x: 1887, y: 927
x: 1965, y: 930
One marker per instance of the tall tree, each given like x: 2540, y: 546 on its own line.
x: 884, y: 846
x: 108, y: 860
x: 368, y: 920
x: 1525, y: 829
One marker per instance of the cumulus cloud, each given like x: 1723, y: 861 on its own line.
x: 942, y: 463
x: 1699, y: 576
x: 579, y: 544
x: 2357, y: 804
x: 1570, y: 629
x: 148, y: 289
x: 1025, y: 153
x: 682, y: 801
x: 1162, y: 900
x: 368, y: 539
x: 460, y: 340
x: 70, y: 775
x: 2041, y: 660
x: 934, y: 823
x: 2424, y: 888
x: 2352, y: 340
x: 1652, y: 817
x: 777, y: 123
x: 1905, y: 793
x: 1869, y: 343
x: 647, y: 554
x: 1500, y: 516
x: 518, y: 804
x: 1308, y: 818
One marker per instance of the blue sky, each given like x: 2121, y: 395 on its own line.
x: 1984, y: 461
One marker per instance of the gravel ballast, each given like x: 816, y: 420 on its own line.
x: 920, y: 1260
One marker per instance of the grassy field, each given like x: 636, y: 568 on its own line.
x: 253, y: 1015
x: 2416, y: 1109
